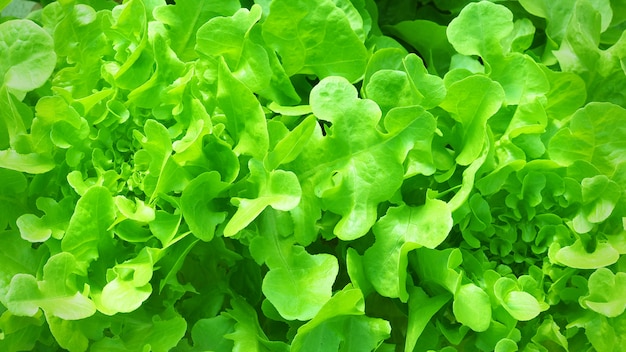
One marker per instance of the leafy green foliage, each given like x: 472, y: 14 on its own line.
x: 345, y: 175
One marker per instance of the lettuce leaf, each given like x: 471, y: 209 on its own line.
x: 327, y: 175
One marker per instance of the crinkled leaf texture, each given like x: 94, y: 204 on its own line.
x: 401, y: 230
x: 312, y: 175
x: 606, y: 293
x: 56, y: 294
x: 356, y: 166
x: 298, y: 283
x: 315, y: 37
x: 27, y: 56
x: 89, y: 226
x: 341, y: 325
x: 595, y: 134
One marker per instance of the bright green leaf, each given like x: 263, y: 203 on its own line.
x: 341, y: 325
x: 471, y: 307
x: 57, y: 294
x: 288, y: 148
x: 293, y: 30
x: 245, y: 119
x: 472, y: 110
x: 480, y: 28
x: 89, y: 225
x: 401, y: 230
x: 422, y: 308
x: 606, y: 293
x: 521, y: 305
x: 197, y: 204
x: 351, y: 170
x: 577, y: 256
x: 185, y: 19
x: 27, y: 56
x: 596, y: 135
x: 278, y: 188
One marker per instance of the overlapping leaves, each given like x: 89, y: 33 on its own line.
x: 345, y: 175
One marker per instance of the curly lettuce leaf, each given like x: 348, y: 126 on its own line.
x: 58, y: 294
x: 342, y: 325
x: 315, y: 37
x: 351, y: 170
x: 401, y: 230
x: 27, y: 56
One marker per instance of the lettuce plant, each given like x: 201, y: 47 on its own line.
x: 320, y: 175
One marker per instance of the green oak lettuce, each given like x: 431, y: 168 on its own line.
x: 345, y: 175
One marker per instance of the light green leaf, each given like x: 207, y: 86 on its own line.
x: 355, y: 167
x: 439, y: 267
x: 421, y: 310
x: 208, y: 334
x: 506, y: 345
x: 391, y: 88
x: 402, y: 83
x: 576, y: 256
x: 164, y: 174
x: 567, y: 93
x: 73, y: 335
x: 289, y: 147
x: 245, y: 119
x: 4, y: 3
x: 14, y: 116
x: 230, y: 39
x: 17, y: 8
x: 225, y: 36
x: 17, y: 257
x: 33, y: 228
x: 31, y: 163
x: 596, y: 135
x: 278, y: 188
x: 137, y: 210
x: 356, y: 271
x: 549, y: 331
x: 472, y: 101
x: 56, y: 294
x: 605, y: 334
x: 79, y: 38
x: 600, y: 196
x: 134, y: 62
x: 130, y: 285
x: 121, y: 296
x: 434, y: 47
x: 521, y: 78
x: 480, y: 28
x: 168, y: 70
x: 165, y: 226
x: 247, y: 334
x: 27, y: 56
x: 184, y: 20
x: 141, y: 331
x: 293, y: 30
x: 301, y: 287
x: 521, y: 305
x: 341, y: 325
x: 606, y: 293
x: 197, y: 204
x: 521, y: 38
x: 582, y: 52
x: 20, y: 333
x: 89, y: 225
x: 298, y: 284
x: 472, y: 307
x: 558, y: 14
x: 401, y: 230
x: 430, y: 86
